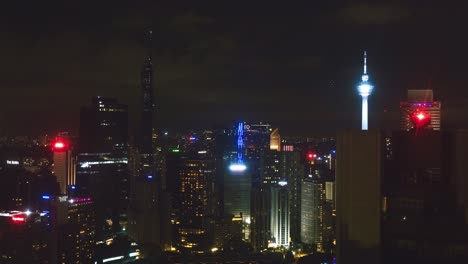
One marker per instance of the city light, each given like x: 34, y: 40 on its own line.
x: 420, y: 119
x: 18, y: 219
x: 282, y: 183
x: 149, y: 176
x: 112, y: 259
x: 237, y: 167
x: 59, y: 146
x: 45, y: 197
x: 87, y: 164
x: 311, y: 155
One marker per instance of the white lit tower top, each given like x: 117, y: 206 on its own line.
x: 365, y: 89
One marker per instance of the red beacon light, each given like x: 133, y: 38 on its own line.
x: 311, y: 155
x: 59, y: 146
x: 420, y: 118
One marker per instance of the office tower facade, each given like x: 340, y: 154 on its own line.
x: 261, y: 212
x: 365, y: 89
x: 237, y: 180
x: 102, y: 163
x: 280, y: 214
x: 292, y: 169
x: 422, y: 102
x: 76, y: 242
x: 270, y: 167
x: 196, y: 175
x: 64, y: 167
x: 358, y: 204
x: 312, y: 209
x: 237, y: 191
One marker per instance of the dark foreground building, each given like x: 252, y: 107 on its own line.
x: 408, y: 207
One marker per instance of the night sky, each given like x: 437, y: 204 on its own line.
x: 292, y: 63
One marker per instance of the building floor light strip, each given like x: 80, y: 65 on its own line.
x: 112, y: 259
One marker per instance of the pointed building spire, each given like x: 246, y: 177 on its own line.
x: 365, y: 77
x: 365, y: 62
x: 149, y: 44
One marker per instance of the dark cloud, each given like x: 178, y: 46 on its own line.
x: 373, y: 14
x: 295, y: 65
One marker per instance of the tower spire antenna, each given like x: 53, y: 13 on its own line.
x: 365, y: 62
x: 149, y: 43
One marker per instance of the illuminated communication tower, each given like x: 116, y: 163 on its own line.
x: 365, y: 89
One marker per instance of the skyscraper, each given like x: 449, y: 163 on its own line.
x: 421, y: 103
x: 358, y: 204
x: 365, y: 89
x: 147, y: 109
x: 64, y: 164
x: 316, y: 209
x: 292, y: 169
x: 237, y: 182
x: 102, y: 163
x: 280, y: 214
x: 196, y: 173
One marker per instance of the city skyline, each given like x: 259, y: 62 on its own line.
x: 211, y: 67
x: 231, y: 132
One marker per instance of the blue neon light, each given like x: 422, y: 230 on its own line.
x: 45, y: 197
x: 240, y: 141
x: 149, y: 176
x: 73, y: 187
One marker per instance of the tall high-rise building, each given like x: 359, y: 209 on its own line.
x: 102, y: 163
x: 365, y: 89
x: 280, y: 214
x: 312, y: 209
x: 408, y: 209
x: 145, y: 144
x: 149, y: 199
x: 317, y: 225
x: 420, y: 102
x: 196, y: 173
x: 64, y: 164
x: 237, y: 182
x: 358, y: 204
x: 237, y: 191
x: 292, y: 169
